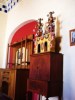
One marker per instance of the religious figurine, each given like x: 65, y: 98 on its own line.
x: 45, y: 40
x: 50, y: 27
x: 39, y: 27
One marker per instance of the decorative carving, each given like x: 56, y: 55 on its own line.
x: 47, y: 36
x: 39, y: 27
x: 50, y: 26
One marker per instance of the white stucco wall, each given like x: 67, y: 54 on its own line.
x: 3, y: 24
x: 34, y: 9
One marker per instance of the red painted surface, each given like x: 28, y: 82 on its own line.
x: 23, y: 31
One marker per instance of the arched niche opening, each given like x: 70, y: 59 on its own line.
x: 45, y: 46
x: 38, y: 48
x: 18, y: 34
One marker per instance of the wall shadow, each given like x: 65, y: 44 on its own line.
x: 58, y: 37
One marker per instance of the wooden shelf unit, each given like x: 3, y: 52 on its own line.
x: 21, y: 52
x: 13, y: 83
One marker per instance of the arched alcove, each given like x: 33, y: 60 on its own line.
x: 19, y: 33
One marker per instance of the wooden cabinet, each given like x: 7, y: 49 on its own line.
x: 46, y: 74
x: 18, y: 55
x: 14, y: 83
x: 0, y: 78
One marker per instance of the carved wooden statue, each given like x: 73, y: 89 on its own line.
x: 50, y: 27
x: 39, y: 27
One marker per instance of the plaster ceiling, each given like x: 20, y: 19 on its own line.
x: 7, y: 5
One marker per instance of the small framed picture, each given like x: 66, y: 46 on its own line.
x: 72, y: 37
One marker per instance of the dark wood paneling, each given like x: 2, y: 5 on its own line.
x: 14, y: 83
x: 46, y: 74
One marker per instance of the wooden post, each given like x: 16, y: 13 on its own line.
x: 25, y: 51
x: 7, y: 56
x: 21, y: 55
